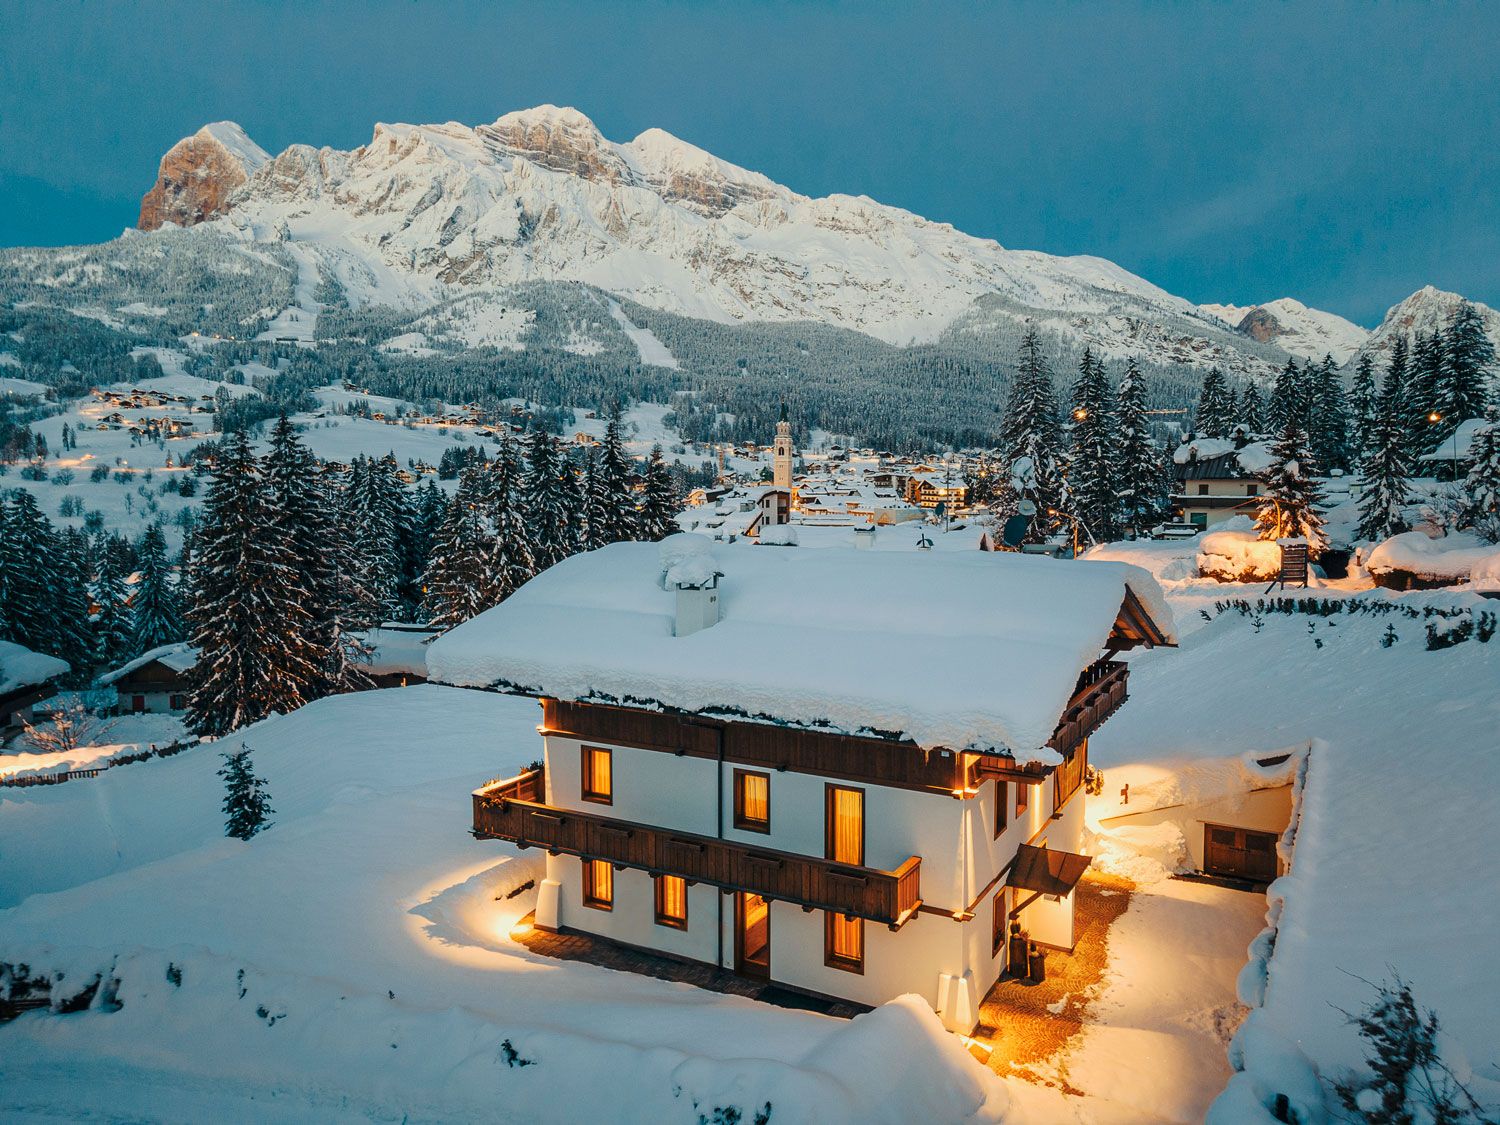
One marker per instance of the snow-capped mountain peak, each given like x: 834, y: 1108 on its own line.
x: 199, y: 174
x: 1427, y: 310
x: 1288, y: 323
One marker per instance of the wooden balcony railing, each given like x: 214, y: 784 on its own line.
x: 891, y: 897
x: 1100, y: 691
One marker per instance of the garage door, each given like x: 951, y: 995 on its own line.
x: 1239, y: 853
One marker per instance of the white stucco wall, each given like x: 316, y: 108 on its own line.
x: 1259, y: 810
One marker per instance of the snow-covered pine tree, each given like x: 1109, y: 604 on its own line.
x: 158, y: 610
x: 1142, y: 475
x: 1215, y: 415
x: 1364, y: 402
x: 29, y: 567
x: 1031, y: 436
x: 1092, y: 465
x: 247, y: 807
x: 546, y: 501
x: 75, y: 641
x: 1288, y: 399
x: 374, y: 515
x: 510, y: 563
x: 1383, y: 489
x: 457, y: 584
x: 1288, y: 505
x: 1481, y: 488
x: 1253, y: 409
x: 659, y: 501
x: 1328, y: 418
x: 1428, y: 424
x: 1464, y: 376
x: 615, y: 500
x: 247, y: 617
x: 114, y: 619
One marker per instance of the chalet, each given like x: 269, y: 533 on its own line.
x: 396, y: 653
x: 155, y: 683
x: 856, y: 774
x: 1213, y: 481
x: 26, y: 678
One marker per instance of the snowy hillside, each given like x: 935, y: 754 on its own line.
x: 541, y: 195
x: 1291, y: 325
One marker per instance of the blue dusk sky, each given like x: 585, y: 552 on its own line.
x: 1342, y: 155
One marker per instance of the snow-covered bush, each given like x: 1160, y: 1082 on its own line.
x: 1238, y: 554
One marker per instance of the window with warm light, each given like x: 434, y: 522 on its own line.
x: 598, y: 884
x: 843, y: 942
x: 1002, y: 806
x: 671, y: 901
x: 846, y: 825
x: 1022, y: 792
x: 752, y: 801
x: 598, y: 775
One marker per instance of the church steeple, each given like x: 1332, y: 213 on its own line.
x: 781, y: 471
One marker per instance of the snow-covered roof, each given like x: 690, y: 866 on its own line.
x: 1210, y: 457
x: 961, y: 649
x: 1459, y: 446
x: 20, y: 667
x: 179, y: 657
x: 396, y: 649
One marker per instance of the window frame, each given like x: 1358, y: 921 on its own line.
x: 591, y: 896
x: 839, y: 961
x: 593, y: 796
x: 1023, y: 798
x: 829, y: 804
x: 741, y: 821
x: 671, y: 921
x: 1002, y: 806
x: 999, y: 924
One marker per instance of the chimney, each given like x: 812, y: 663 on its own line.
x: 697, y: 607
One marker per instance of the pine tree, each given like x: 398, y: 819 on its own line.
x: 1288, y: 399
x: 247, y: 617
x: 1429, y: 426
x: 158, y: 611
x: 1253, y: 409
x: 456, y: 585
x: 1364, y: 402
x: 1092, y: 466
x: 547, y: 501
x: 114, y: 620
x: 1328, y: 418
x: 659, y: 500
x: 1215, y: 417
x: 1384, y: 470
x: 374, y: 514
x: 510, y: 563
x: 1288, y: 506
x: 614, y: 506
x: 1481, y: 488
x: 74, y: 640
x: 1142, y: 476
x: 1467, y: 356
x: 1032, y: 439
x: 247, y: 808
x: 29, y: 564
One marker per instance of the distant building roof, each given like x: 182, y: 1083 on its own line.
x: 180, y: 657
x: 20, y: 667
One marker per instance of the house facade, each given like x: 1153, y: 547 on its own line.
x: 1209, y: 490
x: 840, y: 858
x: 154, y: 683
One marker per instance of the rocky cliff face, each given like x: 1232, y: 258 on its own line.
x: 1289, y: 324
x: 199, y: 174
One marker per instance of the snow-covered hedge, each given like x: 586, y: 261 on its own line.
x: 1236, y: 554
x: 1449, y: 559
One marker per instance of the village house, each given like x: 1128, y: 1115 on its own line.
x: 1214, y: 480
x: 856, y: 774
x: 154, y: 683
x: 26, y: 679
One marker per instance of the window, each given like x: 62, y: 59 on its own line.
x: 997, y: 924
x: 137, y: 703
x: 671, y: 901
x: 598, y: 775
x: 598, y: 884
x: 1002, y: 806
x: 752, y: 801
x: 1198, y: 519
x: 846, y: 825
x: 1203, y: 490
x: 1022, y: 791
x: 177, y: 703
x: 1252, y: 490
x: 843, y: 942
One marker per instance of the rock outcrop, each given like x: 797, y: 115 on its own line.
x: 199, y: 174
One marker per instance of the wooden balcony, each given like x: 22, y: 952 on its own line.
x: 1100, y: 691
x: 891, y: 897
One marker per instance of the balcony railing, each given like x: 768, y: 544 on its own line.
x: 891, y: 897
x: 1100, y: 691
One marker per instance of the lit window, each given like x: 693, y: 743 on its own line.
x: 846, y: 825
x: 844, y: 942
x: 1022, y: 790
x: 671, y: 901
x: 598, y: 775
x: 1002, y: 806
x: 598, y: 884
x: 752, y: 801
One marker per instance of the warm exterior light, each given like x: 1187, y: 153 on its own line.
x: 1080, y: 414
x: 1434, y: 417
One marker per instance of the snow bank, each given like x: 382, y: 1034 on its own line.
x: 1450, y: 558
x: 20, y: 667
x: 1232, y: 555
x: 1485, y: 574
x: 964, y: 649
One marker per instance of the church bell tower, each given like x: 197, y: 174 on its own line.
x: 781, y: 472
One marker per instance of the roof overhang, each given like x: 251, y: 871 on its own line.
x: 1046, y: 871
x: 1135, y: 626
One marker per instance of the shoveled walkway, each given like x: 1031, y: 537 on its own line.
x: 611, y: 955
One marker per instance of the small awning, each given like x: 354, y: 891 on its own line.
x: 1046, y: 871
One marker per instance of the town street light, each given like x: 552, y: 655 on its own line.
x: 1434, y: 417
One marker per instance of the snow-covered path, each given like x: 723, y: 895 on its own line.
x: 1153, y: 1050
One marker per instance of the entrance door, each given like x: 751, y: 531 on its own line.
x: 1239, y: 853
x: 752, y: 935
